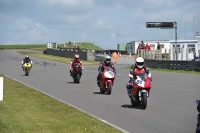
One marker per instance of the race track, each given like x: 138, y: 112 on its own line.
x: 171, y: 106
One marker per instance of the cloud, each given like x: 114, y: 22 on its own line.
x: 99, y: 21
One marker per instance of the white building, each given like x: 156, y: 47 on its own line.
x: 189, y: 46
x: 52, y: 45
x: 167, y: 46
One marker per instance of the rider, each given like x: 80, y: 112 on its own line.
x: 106, y: 62
x: 76, y: 59
x: 198, y: 116
x: 139, y: 64
x: 27, y: 59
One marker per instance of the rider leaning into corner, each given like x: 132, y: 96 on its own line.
x: 105, y: 63
x: 76, y: 59
x: 139, y: 64
x: 27, y: 59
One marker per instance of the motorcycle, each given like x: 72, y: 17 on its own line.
x: 77, y: 72
x: 198, y: 116
x: 140, y: 89
x: 107, y: 80
x: 27, y: 68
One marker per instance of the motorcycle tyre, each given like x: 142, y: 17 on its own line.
x: 109, y: 88
x: 144, y: 100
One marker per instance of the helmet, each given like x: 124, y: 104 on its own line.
x: 76, y: 56
x: 26, y: 57
x: 140, y: 62
x: 108, y: 59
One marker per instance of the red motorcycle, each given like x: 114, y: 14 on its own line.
x: 140, y: 88
x: 77, y: 72
x: 107, y: 80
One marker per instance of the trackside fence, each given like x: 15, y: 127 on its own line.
x: 179, y: 65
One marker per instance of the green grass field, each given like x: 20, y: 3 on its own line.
x: 27, y: 46
x: 82, y: 46
x: 25, y: 110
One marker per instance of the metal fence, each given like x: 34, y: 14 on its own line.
x: 179, y: 65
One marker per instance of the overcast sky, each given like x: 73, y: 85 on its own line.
x: 105, y: 23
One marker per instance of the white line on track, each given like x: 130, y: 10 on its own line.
x: 124, y: 131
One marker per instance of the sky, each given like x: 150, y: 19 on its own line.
x: 105, y: 23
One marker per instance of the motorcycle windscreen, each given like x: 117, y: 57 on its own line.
x: 76, y: 65
x: 143, y: 80
x: 109, y: 72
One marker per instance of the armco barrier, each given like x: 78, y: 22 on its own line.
x: 182, y: 65
x: 99, y: 57
x: 65, y: 53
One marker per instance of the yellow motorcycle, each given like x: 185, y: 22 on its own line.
x: 27, y: 67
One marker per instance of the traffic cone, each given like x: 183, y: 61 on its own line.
x: 124, y: 56
x: 130, y: 56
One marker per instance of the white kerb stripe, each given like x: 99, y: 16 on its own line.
x: 1, y: 88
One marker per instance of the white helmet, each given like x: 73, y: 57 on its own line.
x: 140, y: 62
x: 108, y: 59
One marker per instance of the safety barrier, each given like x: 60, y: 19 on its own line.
x: 181, y: 65
x: 99, y: 57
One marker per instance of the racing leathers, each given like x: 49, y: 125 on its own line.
x: 27, y: 60
x: 102, y: 65
x: 132, y: 70
x: 75, y: 61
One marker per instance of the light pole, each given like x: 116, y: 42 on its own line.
x: 175, y: 26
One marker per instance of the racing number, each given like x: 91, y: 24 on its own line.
x: 138, y: 82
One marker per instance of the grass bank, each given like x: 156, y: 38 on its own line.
x: 171, y: 70
x: 24, y: 110
x: 56, y: 58
x: 25, y: 46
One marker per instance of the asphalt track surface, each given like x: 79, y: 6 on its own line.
x: 171, y: 106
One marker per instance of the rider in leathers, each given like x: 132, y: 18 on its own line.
x: 76, y: 59
x: 107, y: 62
x: 26, y: 60
x: 139, y: 64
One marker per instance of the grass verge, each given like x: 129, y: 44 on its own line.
x: 56, y: 58
x: 24, y: 110
x: 170, y: 70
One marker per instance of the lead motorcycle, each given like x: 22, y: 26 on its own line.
x: 76, y: 72
x: 140, y: 88
x: 27, y: 68
x: 198, y: 116
x: 107, y: 80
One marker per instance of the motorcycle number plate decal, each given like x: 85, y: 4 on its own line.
x: 139, y: 82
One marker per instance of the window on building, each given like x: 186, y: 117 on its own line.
x: 191, y: 48
x: 161, y: 45
x: 152, y: 45
x: 178, y: 45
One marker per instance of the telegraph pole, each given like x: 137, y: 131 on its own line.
x: 175, y: 26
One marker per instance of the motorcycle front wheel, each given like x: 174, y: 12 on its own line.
x: 109, y: 88
x: 144, y: 100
